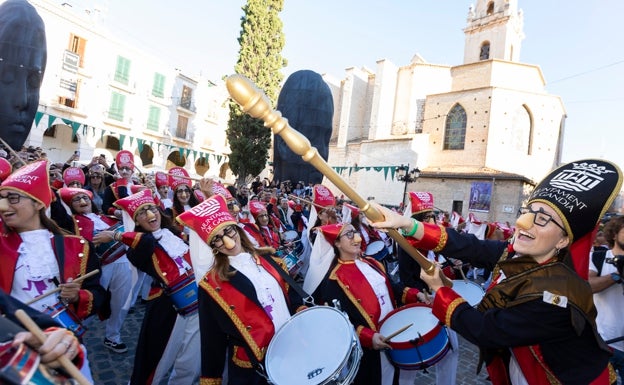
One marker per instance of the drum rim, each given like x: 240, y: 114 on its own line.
x: 470, y: 284
x: 427, y: 337
x: 354, y: 342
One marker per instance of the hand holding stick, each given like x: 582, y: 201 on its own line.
x: 32, y: 327
x: 57, y: 289
x: 396, y: 333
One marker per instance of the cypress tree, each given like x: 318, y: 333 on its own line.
x: 261, y: 42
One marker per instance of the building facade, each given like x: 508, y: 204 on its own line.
x: 481, y: 133
x: 100, y: 95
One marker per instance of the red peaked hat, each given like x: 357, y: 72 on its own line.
x: 32, y: 180
x: 178, y: 176
x: 68, y: 193
x: 73, y: 174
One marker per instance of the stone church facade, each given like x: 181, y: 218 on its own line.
x: 482, y: 133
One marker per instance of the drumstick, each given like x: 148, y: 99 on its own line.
x: 305, y: 201
x: 463, y: 275
x: 69, y: 367
x: 57, y: 289
x: 392, y: 335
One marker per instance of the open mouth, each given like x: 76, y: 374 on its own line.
x: 524, y: 234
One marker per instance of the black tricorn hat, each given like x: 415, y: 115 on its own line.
x: 580, y: 192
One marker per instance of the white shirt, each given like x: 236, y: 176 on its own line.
x: 268, y: 290
x: 378, y: 284
x: 36, y: 269
x: 609, y: 303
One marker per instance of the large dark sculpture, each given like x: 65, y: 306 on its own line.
x: 23, y: 56
x: 306, y: 101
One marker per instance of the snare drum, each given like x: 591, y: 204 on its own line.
x: 470, y: 291
x: 290, y: 236
x: 67, y: 318
x: 21, y: 365
x: 377, y: 250
x: 183, y: 293
x: 315, y: 346
x: 293, y: 263
x: 420, y: 346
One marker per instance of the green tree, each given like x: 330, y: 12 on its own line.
x: 261, y: 42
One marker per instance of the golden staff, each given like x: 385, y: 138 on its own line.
x: 257, y: 104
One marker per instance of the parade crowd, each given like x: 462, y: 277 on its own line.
x: 283, y: 283
x: 261, y: 280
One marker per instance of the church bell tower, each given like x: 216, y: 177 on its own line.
x: 493, y: 31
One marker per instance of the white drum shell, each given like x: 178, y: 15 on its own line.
x: 316, y: 346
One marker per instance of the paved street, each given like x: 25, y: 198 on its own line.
x: 114, y: 369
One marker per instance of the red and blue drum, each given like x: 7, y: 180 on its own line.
x: 377, y: 250
x: 20, y: 364
x: 67, y: 318
x: 183, y: 293
x: 111, y: 251
x: 420, y: 346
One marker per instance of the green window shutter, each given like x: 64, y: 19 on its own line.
x: 158, y: 89
x: 153, y: 120
x: 122, y: 71
x: 117, y: 105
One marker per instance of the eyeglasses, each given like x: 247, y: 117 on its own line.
x: 217, y: 241
x: 143, y: 212
x: 263, y: 215
x: 96, y: 176
x: 183, y: 191
x: 13, y: 198
x: 128, y: 169
x: 540, y: 217
x: 349, y: 234
x: 80, y: 198
x: 429, y: 216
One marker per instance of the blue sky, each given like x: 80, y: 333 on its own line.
x: 578, y: 45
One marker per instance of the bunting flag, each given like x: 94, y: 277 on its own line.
x: 50, y: 120
x: 388, y: 171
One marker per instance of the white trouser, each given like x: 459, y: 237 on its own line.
x: 137, y: 284
x: 117, y: 278
x: 182, y: 352
x: 86, y: 369
x: 446, y: 368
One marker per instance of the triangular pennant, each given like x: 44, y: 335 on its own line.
x: 122, y: 139
x: 131, y: 139
x: 218, y: 158
x: 38, y: 117
x: 74, y: 126
x: 51, y: 119
x: 140, y: 145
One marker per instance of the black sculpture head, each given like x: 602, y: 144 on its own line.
x: 23, y: 57
x: 307, y: 103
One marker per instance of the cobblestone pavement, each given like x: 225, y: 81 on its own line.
x: 111, y: 368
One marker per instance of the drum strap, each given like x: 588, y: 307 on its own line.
x: 59, y: 248
x: 307, y: 299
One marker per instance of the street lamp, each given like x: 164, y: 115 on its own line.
x: 404, y: 174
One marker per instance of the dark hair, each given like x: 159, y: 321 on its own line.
x: 221, y: 270
x: 612, y: 228
x: 178, y: 207
x: 166, y: 222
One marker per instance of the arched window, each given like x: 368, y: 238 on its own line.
x: 485, y: 51
x: 521, y: 134
x: 455, y: 130
x: 490, y: 8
